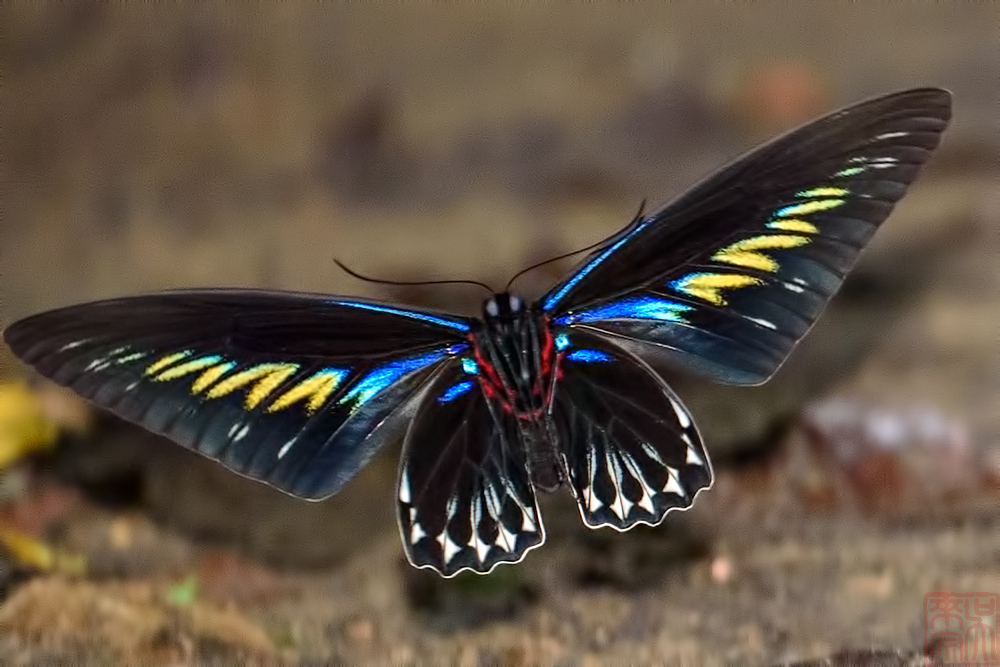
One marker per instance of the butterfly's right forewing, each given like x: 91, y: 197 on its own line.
x: 726, y: 280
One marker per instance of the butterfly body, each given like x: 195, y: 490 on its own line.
x: 517, y: 367
x: 300, y: 390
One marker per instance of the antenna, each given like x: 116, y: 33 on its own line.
x: 635, y: 219
x: 403, y: 283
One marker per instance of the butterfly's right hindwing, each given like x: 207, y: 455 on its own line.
x: 630, y: 447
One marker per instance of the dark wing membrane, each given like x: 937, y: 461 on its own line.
x: 630, y: 448
x: 465, y: 499
x: 726, y: 280
x: 295, y: 390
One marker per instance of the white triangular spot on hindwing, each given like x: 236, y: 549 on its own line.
x: 693, y: 458
x: 673, y: 484
x: 528, y: 521
x: 647, y: 491
x: 506, y: 540
x: 416, y: 533
x: 481, y: 547
x: 682, y: 415
x: 404, y: 486
x: 618, y: 504
x: 475, y: 519
x: 450, y: 548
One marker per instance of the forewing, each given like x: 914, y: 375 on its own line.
x: 465, y: 499
x: 295, y: 390
x: 728, y: 278
x: 629, y: 446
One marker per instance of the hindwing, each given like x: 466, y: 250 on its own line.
x: 629, y: 446
x: 465, y: 498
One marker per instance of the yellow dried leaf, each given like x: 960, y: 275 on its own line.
x: 24, y: 428
x: 36, y: 554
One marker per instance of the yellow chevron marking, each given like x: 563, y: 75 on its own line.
x: 805, y: 208
x: 793, y: 225
x: 747, y: 252
x: 193, y: 366
x: 267, y: 377
x: 709, y: 286
x: 824, y: 192
x: 163, y: 362
x: 210, y: 376
x: 269, y: 383
x: 316, y: 389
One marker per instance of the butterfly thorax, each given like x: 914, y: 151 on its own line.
x: 517, y: 371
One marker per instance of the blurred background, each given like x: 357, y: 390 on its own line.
x: 220, y: 145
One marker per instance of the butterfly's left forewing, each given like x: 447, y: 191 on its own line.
x: 728, y: 278
x: 295, y: 390
x: 465, y: 501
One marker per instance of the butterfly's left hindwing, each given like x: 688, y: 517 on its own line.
x: 629, y: 445
x: 295, y: 390
x: 728, y: 278
x: 465, y: 501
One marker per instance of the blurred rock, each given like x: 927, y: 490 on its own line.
x: 850, y: 454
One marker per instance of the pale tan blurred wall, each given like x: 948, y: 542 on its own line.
x: 149, y: 148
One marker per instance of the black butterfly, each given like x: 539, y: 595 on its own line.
x: 300, y: 390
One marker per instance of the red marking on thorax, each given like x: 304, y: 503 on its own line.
x: 489, y: 380
x: 542, y: 386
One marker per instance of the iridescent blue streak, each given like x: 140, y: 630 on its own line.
x: 383, y: 376
x: 636, y: 308
x: 550, y: 303
x: 455, y: 391
x: 412, y: 314
x: 589, y: 356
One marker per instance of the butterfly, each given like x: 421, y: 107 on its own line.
x: 301, y: 390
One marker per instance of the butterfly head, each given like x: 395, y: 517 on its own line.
x: 503, y: 306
